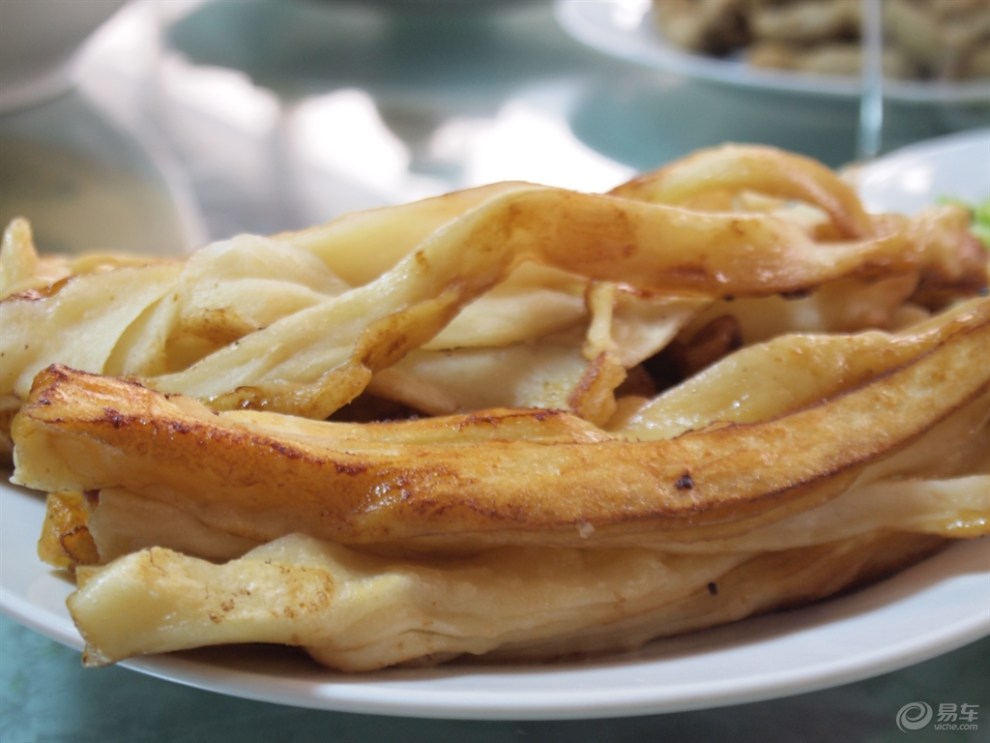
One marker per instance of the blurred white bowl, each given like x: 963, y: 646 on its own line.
x: 39, y: 40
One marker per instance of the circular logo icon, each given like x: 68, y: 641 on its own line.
x: 914, y: 716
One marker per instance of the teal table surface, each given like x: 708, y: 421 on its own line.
x: 48, y: 696
x: 192, y: 121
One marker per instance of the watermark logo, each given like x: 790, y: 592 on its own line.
x: 914, y: 716
x: 949, y: 716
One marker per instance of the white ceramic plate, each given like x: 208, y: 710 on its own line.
x: 957, y: 165
x: 932, y: 608
x: 628, y: 30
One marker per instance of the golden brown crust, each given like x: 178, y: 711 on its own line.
x: 65, y: 540
x: 268, y: 475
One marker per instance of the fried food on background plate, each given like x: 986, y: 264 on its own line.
x: 934, y: 40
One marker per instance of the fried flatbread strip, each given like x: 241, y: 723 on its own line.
x: 303, y: 322
x: 955, y: 506
x: 736, y: 168
x: 261, y: 475
x: 332, y: 349
x: 358, y: 612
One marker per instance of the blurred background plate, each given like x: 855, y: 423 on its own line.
x: 628, y: 29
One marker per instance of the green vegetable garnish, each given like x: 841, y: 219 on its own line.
x: 980, y: 217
